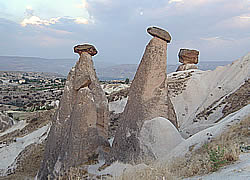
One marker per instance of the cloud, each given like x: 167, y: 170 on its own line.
x: 80, y: 20
x: 43, y: 20
x: 244, y: 17
x: 236, y: 22
x: 54, y: 32
x: 210, y: 38
x: 29, y: 11
x: 34, y: 20
x: 42, y: 41
x: 194, y: 2
x: 82, y: 5
x: 38, y: 21
x: 175, y: 1
x: 50, y: 41
x: 211, y: 26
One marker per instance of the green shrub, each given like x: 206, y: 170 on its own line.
x: 127, y: 81
x: 216, y: 157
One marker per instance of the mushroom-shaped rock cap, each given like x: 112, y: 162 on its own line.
x: 188, y: 56
x: 160, y: 33
x: 90, y: 49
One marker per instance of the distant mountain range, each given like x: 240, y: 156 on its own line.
x: 105, y: 71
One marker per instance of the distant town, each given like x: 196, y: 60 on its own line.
x: 29, y: 91
x: 33, y: 91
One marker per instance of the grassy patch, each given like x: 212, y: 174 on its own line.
x: 216, y: 157
x: 154, y: 173
x: 221, y: 151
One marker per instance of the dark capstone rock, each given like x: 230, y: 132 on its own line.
x: 90, y: 49
x: 188, y: 56
x: 160, y: 33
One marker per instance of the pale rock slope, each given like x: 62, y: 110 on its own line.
x: 9, y: 152
x: 5, y: 122
x: 159, y: 136
x: 118, y: 106
x: 204, y: 136
x: 111, y: 88
x: 117, y: 96
x: 238, y: 171
x: 201, y: 98
x: 17, y: 126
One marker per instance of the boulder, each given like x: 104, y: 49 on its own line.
x: 147, y: 99
x: 90, y: 49
x: 159, y: 136
x: 184, y: 67
x: 188, y: 56
x: 160, y: 33
x: 80, y: 125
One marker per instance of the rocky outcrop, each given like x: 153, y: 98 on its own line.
x: 184, y: 67
x: 217, y: 94
x: 160, y: 33
x: 5, y: 122
x: 147, y: 99
x: 159, y: 136
x: 189, y: 58
x: 79, y: 130
x: 85, y: 48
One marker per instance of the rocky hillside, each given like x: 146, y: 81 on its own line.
x: 22, y: 145
x: 159, y: 126
x: 202, y: 98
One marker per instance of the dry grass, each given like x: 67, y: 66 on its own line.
x: 29, y: 160
x: 80, y: 173
x: 28, y: 163
x: 135, y: 173
x: 200, y: 162
x: 16, y: 177
x: 159, y: 173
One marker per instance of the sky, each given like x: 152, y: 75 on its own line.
x: 219, y: 29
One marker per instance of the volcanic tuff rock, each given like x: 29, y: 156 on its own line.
x: 188, y: 56
x: 217, y: 93
x: 90, y: 49
x: 80, y: 125
x: 160, y: 33
x: 147, y: 99
x: 184, y: 67
x: 5, y: 122
x: 159, y: 136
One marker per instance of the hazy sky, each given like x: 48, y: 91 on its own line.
x: 219, y: 29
